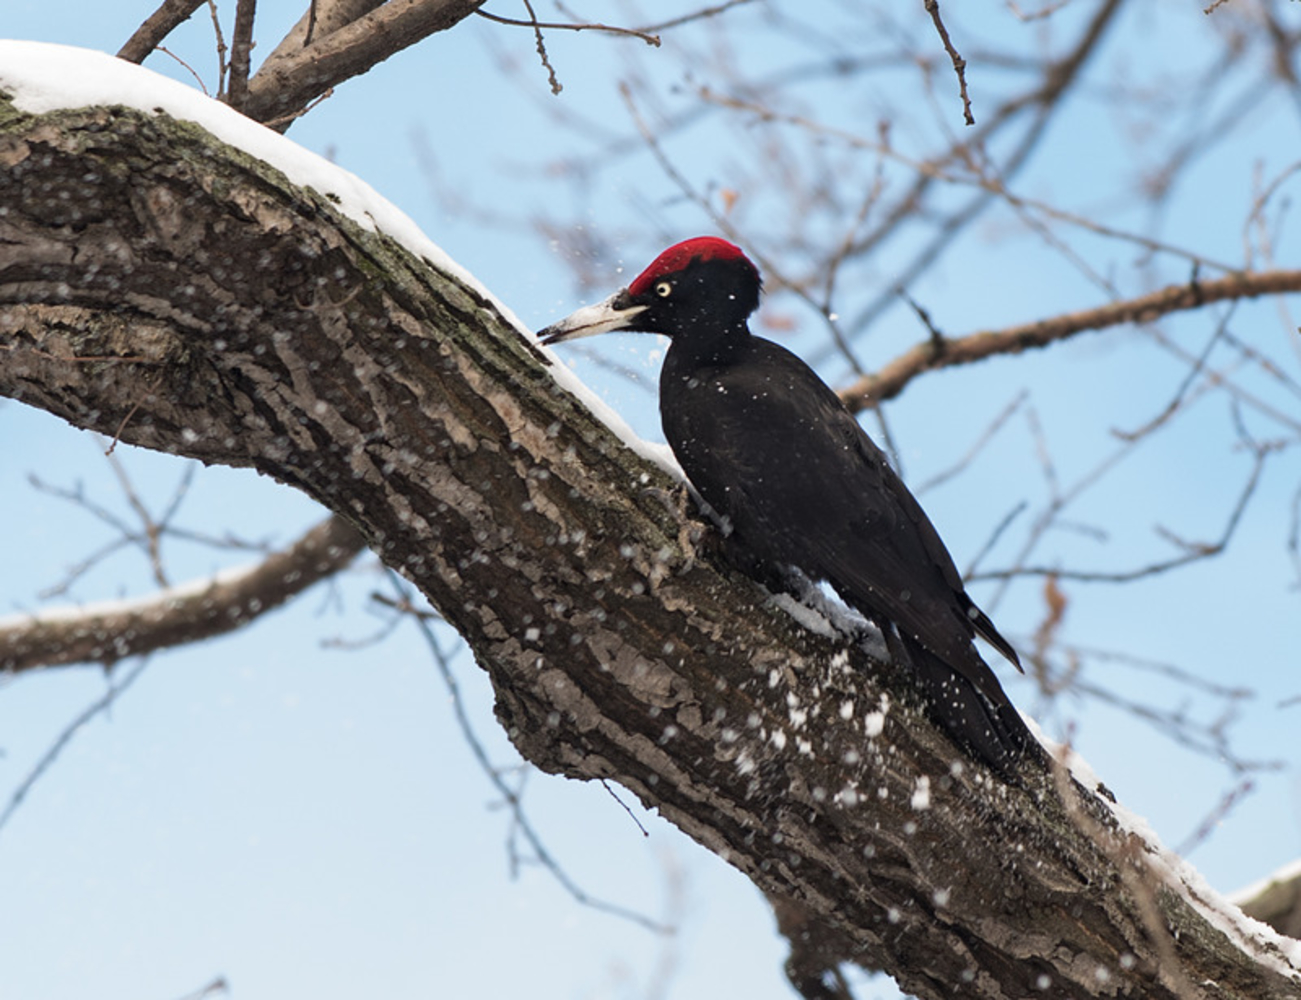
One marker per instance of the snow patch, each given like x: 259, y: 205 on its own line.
x: 874, y: 722
x: 1266, y: 945
x: 810, y: 618
x: 43, y: 77
x: 1262, y: 942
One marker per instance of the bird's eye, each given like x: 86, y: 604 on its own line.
x: 664, y: 289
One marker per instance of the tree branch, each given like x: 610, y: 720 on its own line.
x: 933, y: 354
x: 177, y: 615
x: 241, y: 50
x: 256, y: 326
x: 157, y: 26
x: 291, y: 79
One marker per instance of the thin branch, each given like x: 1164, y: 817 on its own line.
x: 1047, y: 10
x: 1193, y: 551
x: 538, y: 26
x: 1206, y: 739
x: 1197, y: 368
x: 151, y: 533
x: 895, y: 376
x: 52, y: 754
x: 967, y: 173
x: 698, y: 15
x: 202, y: 86
x: 1044, y: 99
x: 218, y: 985
x: 222, y: 66
x: 989, y: 433
x: 1216, y: 816
x: 959, y: 64
x: 284, y: 121
x: 541, y: 45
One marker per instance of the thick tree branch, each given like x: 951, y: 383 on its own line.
x: 157, y: 26
x: 154, y: 281
x: 187, y: 613
x: 323, y: 17
x: 291, y: 79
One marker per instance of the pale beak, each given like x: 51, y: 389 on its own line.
x: 618, y: 312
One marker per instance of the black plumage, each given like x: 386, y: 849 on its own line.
x: 772, y: 450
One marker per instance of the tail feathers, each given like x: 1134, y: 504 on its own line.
x: 990, y: 731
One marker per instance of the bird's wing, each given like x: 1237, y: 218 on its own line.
x: 771, y: 447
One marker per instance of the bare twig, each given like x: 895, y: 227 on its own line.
x: 285, y: 120
x: 1216, y: 816
x: 1192, y: 551
x: 955, y: 167
x: 218, y: 985
x: 556, y: 88
x: 989, y: 433
x: 1185, y: 384
x: 188, y: 68
x: 115, y: 690
x: 631, y: 815
x: 151, y: 531
x: 697, y: 15
x: 1208, y: 739
x: 220, y: 38
x: 1047, y: 10
x: 959, y: 64
x: 539, y: 26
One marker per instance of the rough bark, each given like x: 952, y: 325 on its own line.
x: 158, y: 286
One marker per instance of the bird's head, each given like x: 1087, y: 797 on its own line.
x: 702, y: 289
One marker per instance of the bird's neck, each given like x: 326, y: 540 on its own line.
x: 707, y: 348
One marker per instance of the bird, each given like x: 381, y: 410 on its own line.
x: 799, y: 485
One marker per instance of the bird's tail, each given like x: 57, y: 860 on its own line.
x: 989, y: 730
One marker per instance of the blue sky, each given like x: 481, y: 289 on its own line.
x: 305, y: 818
